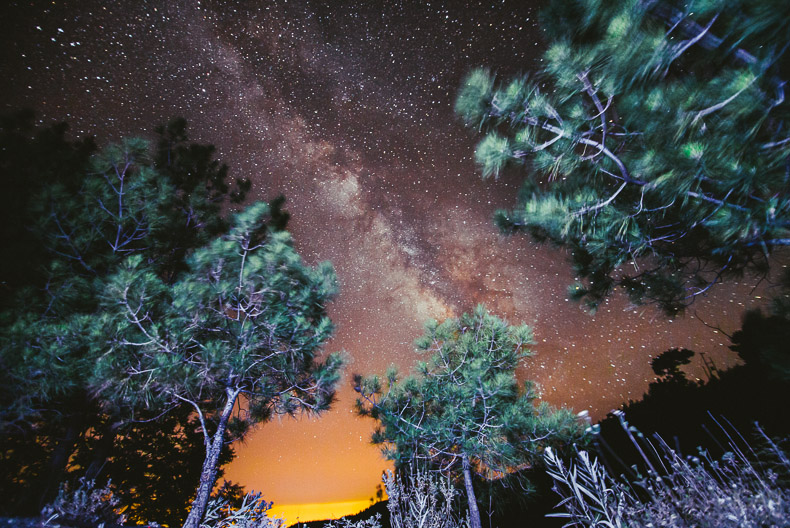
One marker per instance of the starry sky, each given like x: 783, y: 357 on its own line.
x: 346, y: 108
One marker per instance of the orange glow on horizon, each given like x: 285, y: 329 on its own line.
x: 298, y: 513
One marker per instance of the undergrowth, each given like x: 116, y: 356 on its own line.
x: 737, y: 490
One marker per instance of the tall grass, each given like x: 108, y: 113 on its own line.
x: 738, y: 489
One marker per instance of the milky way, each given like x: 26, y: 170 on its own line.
x: 346, y: 109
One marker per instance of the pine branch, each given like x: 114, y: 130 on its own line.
x: 718, y: 106
x: 692, y: 29
x: 603, y: 204
x: 682, y: 47
x: 588, y: 87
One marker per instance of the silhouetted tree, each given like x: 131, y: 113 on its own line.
x: 152, y: 463
x: 31, y: 159
x: 764, y: 339
x: 232, y: 494
x: 667, y: 365
x: 689, y: 413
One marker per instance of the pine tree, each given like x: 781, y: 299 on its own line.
x: 80, y: 225
x: 463, y: 412
x: 31, y: 159
x: 656, y: 137
x: 74, y: 216
x: 246, y: 319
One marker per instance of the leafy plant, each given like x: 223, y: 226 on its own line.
x: 653, y: 135
x: 464, y: 412
x: 590, y: 496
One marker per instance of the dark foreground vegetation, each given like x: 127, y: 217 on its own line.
x: 144, y: 301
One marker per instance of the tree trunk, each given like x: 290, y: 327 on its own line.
x: 474, y: 511
x: 58, y: 463
x: 208, y: 474
x: 102, y: 449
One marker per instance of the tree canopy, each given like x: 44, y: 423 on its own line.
x: 81, y: 218
x: 655, y: 134
x: 73, y: 213
x: 246, y: 319
x: 142, y: 298
x: 463, y: 411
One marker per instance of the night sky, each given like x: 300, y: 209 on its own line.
x: 346, y: 109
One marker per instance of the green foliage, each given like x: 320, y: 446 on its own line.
x: 31, y: 160
x: 463, y: 409
x: 248, y: 315
x: 656, y: 142
x: 126, y: 213
x: 492, y: 153
x: 82, y: 225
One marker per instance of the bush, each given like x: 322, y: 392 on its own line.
x: 252, y: 513
x: 83, y: 507
x: 425, y: 500
x: 422, y: 500
x: 372, y: 522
